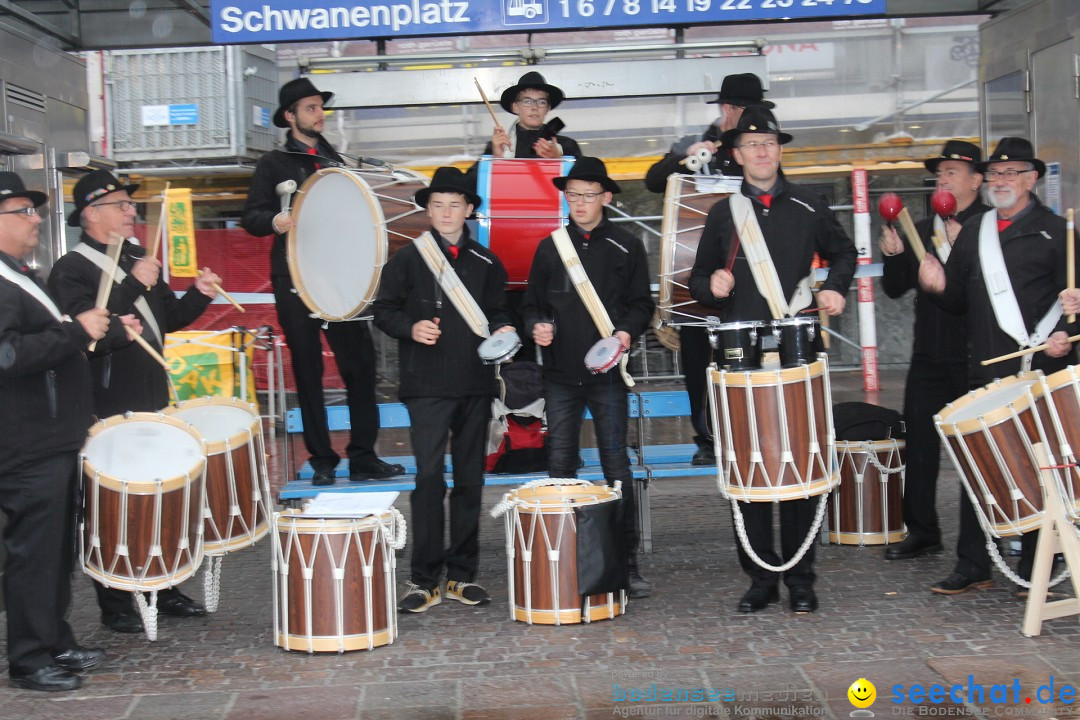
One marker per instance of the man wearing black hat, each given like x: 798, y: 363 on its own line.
x: 301, y: 110
x: 446, y: 387
x: 45, y: 410
x: 736, y: 93
x: 796, y: 223
x: 530, y: 99
x: 1021, y: 243
x: 560, y: 323
x: 937, y: 374
x: 125, y: 377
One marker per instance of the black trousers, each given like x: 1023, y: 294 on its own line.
x: 972, y: 557
x: 695, y: 354
x: 930, y: 387
x: 38, y: 499
x: 432, y: 422
x: 355, y: 355
x: 796, y: 519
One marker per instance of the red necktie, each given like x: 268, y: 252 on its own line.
x: 454, y: 249
x: 1003, y: 223
x: 766, y: 199
x: 312, y: 151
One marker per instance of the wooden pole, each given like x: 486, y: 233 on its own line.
x: 106, y: 282
x: 155, y: 241
x: 912, y: 234
x: 1070, y: 254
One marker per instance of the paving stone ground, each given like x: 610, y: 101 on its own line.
x: 877, y: 621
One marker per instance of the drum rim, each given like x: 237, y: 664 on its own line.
x: 612, y: 342
x: 768, y: 377
x: 297, y: 519
x: 515, y: 345
x: 232, y: 442
x: 1020, y: 403
x: 794, y: 321
x: 1057, y: 380
x: 144, y: 487
x: 534, y: 499
x: 381, y: 243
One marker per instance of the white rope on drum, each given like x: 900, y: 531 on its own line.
x: 398, y: 526
x: 995, y: 555
x: 740, y: 530
x: 148, y: 612
x: 212, y: 583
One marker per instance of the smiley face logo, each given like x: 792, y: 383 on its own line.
x: 862, y: 693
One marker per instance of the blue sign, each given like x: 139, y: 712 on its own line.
x: 267, y: 21
x: 184, y: 114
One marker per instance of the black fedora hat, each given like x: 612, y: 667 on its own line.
x: 1013, y: 149
x: 742, y: 89
x: 448, y: 180
x: 589, y: 169
x: 294, y: 91
x: 958, y: 150
x: 531, y: 80
x: 755, y: 119
x: 11, y: 187
x: 94, y: 186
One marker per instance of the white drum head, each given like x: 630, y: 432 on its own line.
x: 499, y: 348
x: 144, y: 451
x: 604, y: 355
x: 216, y: 423
x: 994, y: 399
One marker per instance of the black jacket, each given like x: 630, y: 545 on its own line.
x: 408, y: 293
x: 125, y: 377
x: 1034, y: 251
x: 798, y: 224
x: 616, y: 263
x: 291, y: 162
x: 45, y: 401
x: 723, y: 163
x: 940, y: 336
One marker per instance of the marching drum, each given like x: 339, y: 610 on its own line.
x: 738, y: 344
x: 346, y: 225
x: 604, y: 355
x: 499, y: 348
x: 687, y: 200
x: 334, y: 581
x: 237, y: 484
x: 866, y: 508
x: 143, y: 502
x: 541, y: 552
x: 1057, y: 401
x: 989, y: 434
x: 795, y: 339
x: 774, y: 431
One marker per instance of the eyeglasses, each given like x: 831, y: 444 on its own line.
x: 589, y: 197
x: 122, y: 204
x: 533, y: 102
x: 27, y: 211
x: 754, y: 145
x: 1009, y: 175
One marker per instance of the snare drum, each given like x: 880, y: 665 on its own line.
x: 604, y: 355
x: 334, y: 582
x: 866, y: 508
x: 1061, y: 420
x: 499, y: 348
x: 346, y: 224
x: 686, y: 204
x: 738, y: 344
x: 776, y: 432
x: 541, y: 551
x: 237, y: 483
x: 795, y: 338
x: 989, y: 434
x: 143, y: 502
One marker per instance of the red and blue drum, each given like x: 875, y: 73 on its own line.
x: 521, y: 207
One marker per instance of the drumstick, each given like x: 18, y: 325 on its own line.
x: 227, y: 296
x: 734, y: 250
x: 1070, y: 254
x: 147, y: 347
x: 106, y: 282
x: 912, y: 234
x: 156, y: 240
x: 487, y: 103
x: 1021, y: 353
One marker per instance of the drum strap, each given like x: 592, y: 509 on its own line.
x: 452, y: 285
x: 33, y: 290
x: 587, y: 292
x: 761, y: 263
x: 941, y: 239
x: 999, y: 288
x: 143, y: 307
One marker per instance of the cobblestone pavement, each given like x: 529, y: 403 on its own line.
x: 877, y: 621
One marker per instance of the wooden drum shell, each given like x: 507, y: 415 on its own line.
x: 868, y: 510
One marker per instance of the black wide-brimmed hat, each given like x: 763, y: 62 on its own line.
x: 742, y: 89
x: 958, y: 150
x: 589, y: 169
x: 294, y: 91
x: 448, y: 180
x: 11, y: 187
x: 755, y: 119
x: 94, y: 186
x: 1013, y: 149
x: 531, y: 80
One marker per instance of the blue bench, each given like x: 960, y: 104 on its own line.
x: 667, y: 461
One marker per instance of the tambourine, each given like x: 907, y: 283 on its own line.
x: 499, y: 348
x: 604, y: 355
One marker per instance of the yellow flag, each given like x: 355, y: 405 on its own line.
x: 180, y: 232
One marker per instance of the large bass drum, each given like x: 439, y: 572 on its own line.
x: 346, y: 224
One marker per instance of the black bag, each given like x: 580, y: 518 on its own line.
x: 863, y: 421
x: 602, y: 559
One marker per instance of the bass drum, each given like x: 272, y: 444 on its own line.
x: 346, y: 224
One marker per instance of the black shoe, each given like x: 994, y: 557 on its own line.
x: 374, y: 469
x: 956, y: 584
x: 639, y: 586
x: 128, y: 622
x: 803, y: 599
x: 178, y: 604
x: 77, y: 659
x: 758, y: 597
x: 323, y: 477
x: 48, y: 679
x: 704, y: 456
x: 912, y: 547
